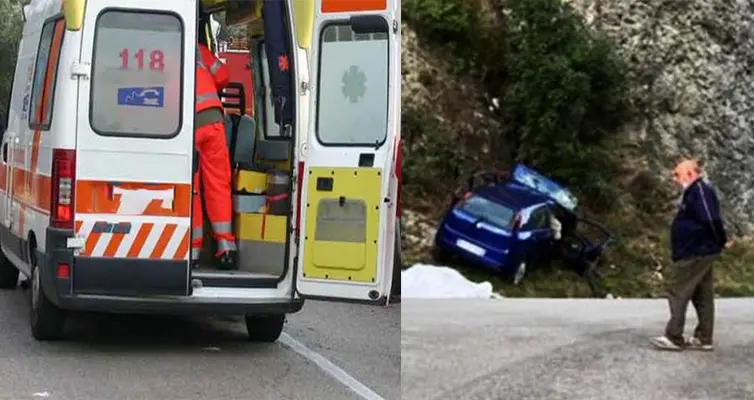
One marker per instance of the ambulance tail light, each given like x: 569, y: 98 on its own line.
x: 63, y: 185
x: 64, y: 271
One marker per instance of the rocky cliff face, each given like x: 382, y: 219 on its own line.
x: 428, y: 84
x: 693, y: 66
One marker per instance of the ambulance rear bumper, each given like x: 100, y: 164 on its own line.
x: 159, y: 299
x: 177, y: 305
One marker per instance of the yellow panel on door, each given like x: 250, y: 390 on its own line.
x: 342, y: 224
x: 347, y: 256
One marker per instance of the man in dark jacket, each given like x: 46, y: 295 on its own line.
x: 697, y: 238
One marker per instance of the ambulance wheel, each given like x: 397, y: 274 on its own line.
x: 264, y: 328
x: 47, y: 320
x: 8, y: 273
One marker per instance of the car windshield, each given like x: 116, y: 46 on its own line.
x: 488, y: 211
x: 546, y: 186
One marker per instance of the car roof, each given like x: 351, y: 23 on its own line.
x: 513, y: 195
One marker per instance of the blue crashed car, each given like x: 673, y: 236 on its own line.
x: 512, y: 225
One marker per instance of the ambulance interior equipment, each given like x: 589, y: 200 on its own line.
x: 259, y: 144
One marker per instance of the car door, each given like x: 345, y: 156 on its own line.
x: 134, y: 146
x: 538, y: 236
x: 349, y: 188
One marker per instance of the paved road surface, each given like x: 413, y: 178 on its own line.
x: 165, y: 358
x: 568, y: 349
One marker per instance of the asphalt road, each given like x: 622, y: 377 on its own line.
x: 568, y: 349
x: 166, y: 358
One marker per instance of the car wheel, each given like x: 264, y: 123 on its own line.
x: 518, y: 274
x: 46, y: 319
x: 8, y: 273
x: 264, y: 328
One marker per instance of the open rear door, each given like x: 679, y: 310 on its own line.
x: 135, y: 147
x: 349, y: 190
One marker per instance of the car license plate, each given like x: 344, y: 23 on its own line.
x: 470, y: 247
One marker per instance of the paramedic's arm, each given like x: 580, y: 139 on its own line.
x: 222, y: 76
x: 219, y: 70
x: 707, y: 210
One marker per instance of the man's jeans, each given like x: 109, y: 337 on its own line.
x: 692, y: 280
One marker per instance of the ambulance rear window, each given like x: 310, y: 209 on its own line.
x: 45, y: 75
x: 352, y: 103
x: 137, y: 74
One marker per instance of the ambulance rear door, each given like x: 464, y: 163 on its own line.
x: 134, y: 151
x: 349, y: 188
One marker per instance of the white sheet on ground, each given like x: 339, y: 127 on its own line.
x: 429, y: 281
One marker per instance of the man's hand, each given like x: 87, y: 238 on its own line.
x: 729, y: 244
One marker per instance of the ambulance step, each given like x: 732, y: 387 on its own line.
x: 212, y: 277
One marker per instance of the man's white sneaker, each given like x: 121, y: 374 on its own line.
x: 693, y: 343
x: 663, y: 343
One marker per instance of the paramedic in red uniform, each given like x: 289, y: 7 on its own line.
x: 214, y: 163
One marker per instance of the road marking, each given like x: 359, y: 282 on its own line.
x: 331, y: 369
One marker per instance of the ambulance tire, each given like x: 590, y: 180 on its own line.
x: 47, y: 320
x: 8, y: 273
x: 264, y: 328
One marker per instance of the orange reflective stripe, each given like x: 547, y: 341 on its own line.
x: 97, y: 197
x: 182, y: 251
x: 339, y: 6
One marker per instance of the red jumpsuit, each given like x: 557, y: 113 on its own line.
x: 214, y: 163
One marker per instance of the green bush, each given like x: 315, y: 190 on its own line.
x: 454, y: 24
x: 10, y: 34
x: 442, y: 20
x: 561, y: 86
x: 430, y: 162
x: 566, y: 88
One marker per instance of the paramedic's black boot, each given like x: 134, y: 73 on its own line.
x: 229, y: 260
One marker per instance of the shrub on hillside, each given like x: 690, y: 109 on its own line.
x: 562, y: 87
x: 430, y: 162
x: 10, y: 34
x: 455, y: 24
x: 565, y: 88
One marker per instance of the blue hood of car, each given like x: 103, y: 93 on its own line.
x: 542, y: 184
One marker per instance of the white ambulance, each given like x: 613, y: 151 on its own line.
x: 97, y: 160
